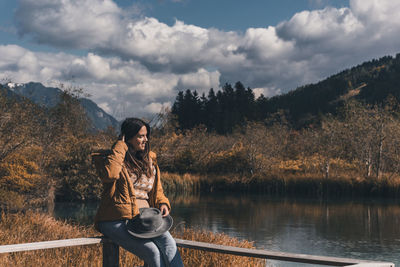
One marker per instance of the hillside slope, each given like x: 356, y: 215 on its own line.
x: 370, y: 82
x: 50, y: 96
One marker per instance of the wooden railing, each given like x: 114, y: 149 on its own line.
x: 111, y: 252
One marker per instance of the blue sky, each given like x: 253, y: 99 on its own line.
x: 230, y: 15
x: 134, y: 56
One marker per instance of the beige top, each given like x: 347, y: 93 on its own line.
x: 143, y: 185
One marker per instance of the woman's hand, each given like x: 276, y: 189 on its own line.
x: 164, y: 210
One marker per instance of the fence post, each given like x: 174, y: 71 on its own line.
x: 110, y: 254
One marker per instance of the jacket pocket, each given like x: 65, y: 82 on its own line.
x: 121, y: 195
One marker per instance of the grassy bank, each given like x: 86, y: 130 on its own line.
x: 285, y: 184
x: 32, y: 226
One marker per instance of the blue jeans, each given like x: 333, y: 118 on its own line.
x: 146, y: 249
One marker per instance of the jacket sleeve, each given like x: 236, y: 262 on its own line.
x: 114, y: 161
x: 160, y: 198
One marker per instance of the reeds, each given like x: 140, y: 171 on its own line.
x: 284, y: 183
x: 33, y: 226
x: 181, y: 184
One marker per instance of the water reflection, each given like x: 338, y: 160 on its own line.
x: 82, y: 213
x: 342, y: 228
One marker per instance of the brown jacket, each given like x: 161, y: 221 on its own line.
x: 118, y: 199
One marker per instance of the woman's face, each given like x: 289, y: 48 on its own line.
x: 139, y: 141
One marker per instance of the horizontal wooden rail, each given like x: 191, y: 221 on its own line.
x: 371, y: 264
x: 281, y: 256
x: 110, y: 250
x: 51, y: 244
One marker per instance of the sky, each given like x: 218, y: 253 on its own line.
x: 133, y: 57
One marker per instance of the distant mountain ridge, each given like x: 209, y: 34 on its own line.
x: 370, y: 82
x: 50, y: 97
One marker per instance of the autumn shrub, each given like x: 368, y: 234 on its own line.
x: 188, y: 151
x: 78, y: 179
x: 313, y: 164
x: 184, y: 161
x: 19, y: 173
x: 10, y: 200
x: 234, y: 160
x: 21, y: 179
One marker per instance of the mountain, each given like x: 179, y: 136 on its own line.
x: 50, y: 96
x: 371, y: 82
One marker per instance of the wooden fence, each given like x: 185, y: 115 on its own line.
x: 111, y: 252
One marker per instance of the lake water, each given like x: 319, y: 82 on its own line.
x: 364, y: 229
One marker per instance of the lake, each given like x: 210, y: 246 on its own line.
x: 350, y: 228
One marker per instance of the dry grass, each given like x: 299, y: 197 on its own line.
x: 200, y: 258
x: 33, y: 226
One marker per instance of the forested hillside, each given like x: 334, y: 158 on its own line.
x: 371, y: 82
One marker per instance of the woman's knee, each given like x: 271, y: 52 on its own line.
x: 166, y: 240
x: 150, y: 253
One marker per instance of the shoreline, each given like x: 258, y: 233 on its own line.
x: 284, y: 185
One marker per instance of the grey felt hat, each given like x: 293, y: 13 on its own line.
x: 149, y: 223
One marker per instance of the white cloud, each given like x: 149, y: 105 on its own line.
x: 72, y: 23
x: 123, y: 88
x: 267, y: 92
x: 17, y: 62
x: 105, y: 106
x: 159, y: 44
x: 263, y: 44
x: 156, y: 107
x: 329, y: 25
x: 134, y: 61
x: 202, y: 80
x: 97, y: 66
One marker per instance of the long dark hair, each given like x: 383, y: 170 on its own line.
x: 138, y: 162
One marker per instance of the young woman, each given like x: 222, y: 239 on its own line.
x: 131, y: 181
